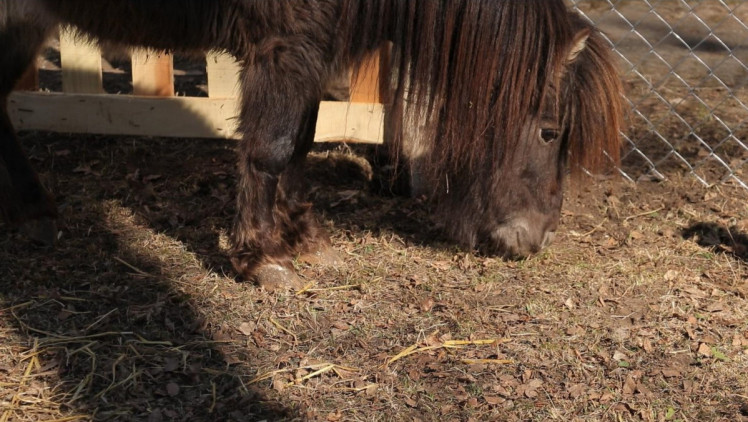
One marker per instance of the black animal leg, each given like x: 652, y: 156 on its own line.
x: 310, y: 240
x: 23, y: 199
x: 273, y: 221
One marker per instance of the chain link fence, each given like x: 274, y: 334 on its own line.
x: 685, y: 68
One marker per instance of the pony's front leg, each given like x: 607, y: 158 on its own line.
x: 273, y: 223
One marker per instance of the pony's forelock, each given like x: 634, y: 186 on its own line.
x: 468, y: 73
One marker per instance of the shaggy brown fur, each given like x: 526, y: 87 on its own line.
x: 501, y: 91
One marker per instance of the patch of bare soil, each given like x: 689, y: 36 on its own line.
x: 637, y: 312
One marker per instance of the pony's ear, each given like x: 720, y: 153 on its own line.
x: 579, y: 44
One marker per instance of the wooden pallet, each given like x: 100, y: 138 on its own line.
x: 154, y: 110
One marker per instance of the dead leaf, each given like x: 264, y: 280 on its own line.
x: 279, y: 384
x: 575, y: 331
x: 607, y: 397
x: 346, y: 196
x: 247, y: 328
x: 705, y: 350
x: 172, y: 389
x: 610, y: 243
x: 155, y: 416
x: 464, y: 262
x: 623, y: 407
x: 570, y: 304
x: 739, y: 340
x: 259, y: 338
x: 371, y: 390
x: 716, y: 307
x: 671, y: 275
x: 441, y: 265
x: 427, y: 304
x: 670, y: 373
x: 643, y: 390
x: 576, y: 390
x: 222, y: 336
x: 171, y: 364
x: 531, y: 387
x: 493, y: 400
x: 635, y: 235
x: 340, y: 325
x: 231, y: 359
x: 621, y: 334
x: 694, y: 292
x: 690, y: 333
x: 530, y: 394
x: 334, y: 417
x: 65, y: 314
x: 629, y: 386
x: 87, y: 169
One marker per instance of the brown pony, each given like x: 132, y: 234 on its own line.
x: 493, y: 100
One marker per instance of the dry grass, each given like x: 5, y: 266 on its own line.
x: 637, y: 312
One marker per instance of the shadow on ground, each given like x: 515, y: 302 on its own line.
x: 115, y: 314
x: 116, y: 338
x: 117, y: 322
x: 721, y: 239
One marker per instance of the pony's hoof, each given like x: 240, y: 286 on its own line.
x: 326, y: 257
x: 42, y: 231
x: 274, y: 277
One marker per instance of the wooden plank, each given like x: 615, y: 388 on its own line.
x: 81, y: 64
x: 370, y: 85
x: 356, y: 122
x: 223, y: 75
x: 123, y: 114
x: 152, y: 73
x: 174, y: 117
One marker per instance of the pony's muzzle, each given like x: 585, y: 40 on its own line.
x: 524, y: 236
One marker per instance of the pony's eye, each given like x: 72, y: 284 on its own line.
x: 549, y: 135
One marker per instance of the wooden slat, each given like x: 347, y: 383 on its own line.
x: 81, y: 64
x: 355, y: 122
x: 367, y: 86
x: 175, y: 117
x: 152, y: 73
x: 223, y: 75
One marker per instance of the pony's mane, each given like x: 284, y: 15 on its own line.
x: 596, y: 107
x: 469, y: 72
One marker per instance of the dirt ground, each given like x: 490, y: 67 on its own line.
x: 638, y: 311
x: 685, y: 69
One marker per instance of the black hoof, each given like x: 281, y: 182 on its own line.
x: 42, y: 231
x: 275, y: 278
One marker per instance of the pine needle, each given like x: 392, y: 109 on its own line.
x: 448, y: 344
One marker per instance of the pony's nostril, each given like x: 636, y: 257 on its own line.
x: 519, y: 238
